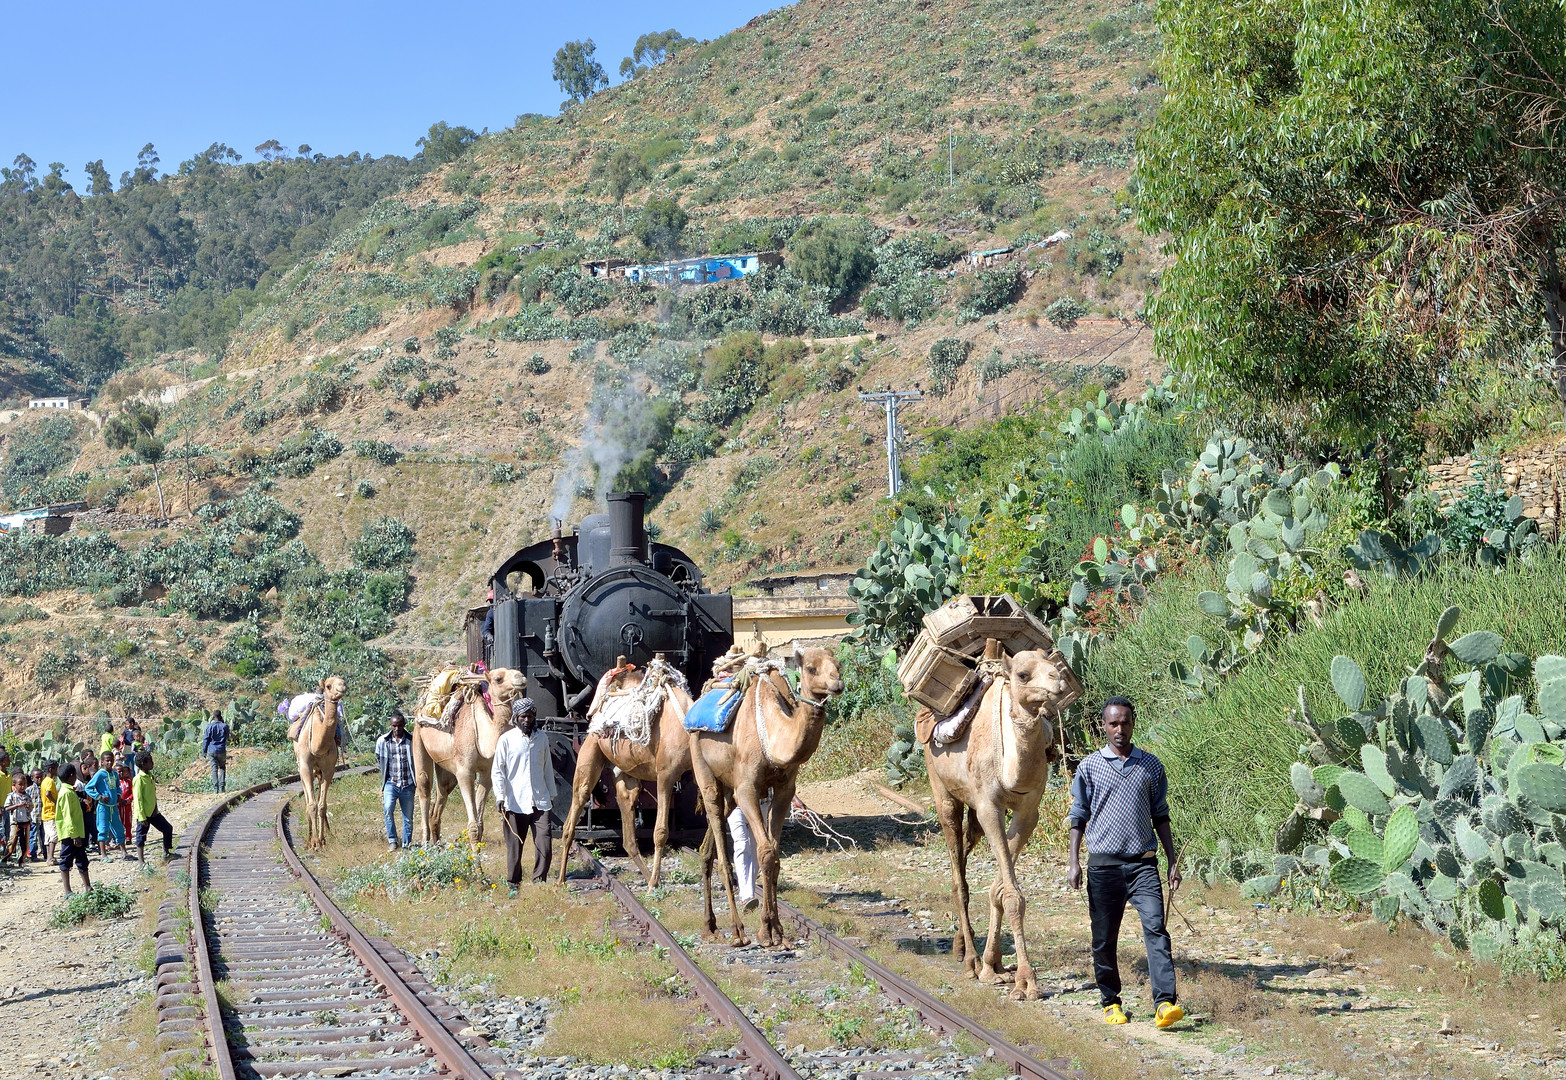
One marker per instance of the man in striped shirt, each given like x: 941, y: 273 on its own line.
x: 1119, y: 801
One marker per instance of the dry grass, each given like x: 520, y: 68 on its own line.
x: 618, y: 1003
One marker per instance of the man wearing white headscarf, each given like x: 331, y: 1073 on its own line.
x: 523, y: 779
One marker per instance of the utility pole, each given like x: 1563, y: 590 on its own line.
x: 890, y: 400
x: 951, y: 154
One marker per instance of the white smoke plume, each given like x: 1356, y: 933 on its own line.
x: 620, y: 423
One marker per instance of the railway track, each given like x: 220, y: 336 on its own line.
x: 766, y: 1060
x: 274, y: 980
x: 278, y: 982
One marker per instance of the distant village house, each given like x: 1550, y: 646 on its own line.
x: 56, y: 403
x: 703, y: 270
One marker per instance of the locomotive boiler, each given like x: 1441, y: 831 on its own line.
x: 567, y: 608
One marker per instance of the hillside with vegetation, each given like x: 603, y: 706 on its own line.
x: 337, y: 346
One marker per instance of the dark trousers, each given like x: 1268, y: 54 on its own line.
x: 517, y: 827
x: 1109, y: 889
x: 159, y: 822
x: 220, y: 772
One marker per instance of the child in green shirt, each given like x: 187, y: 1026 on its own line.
x: 70, y: 829
x: 144, y: 808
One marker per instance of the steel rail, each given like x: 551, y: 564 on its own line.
x: 761, y: 1055
x: 451, y: 1053
x: 931, y: 1010
x: 432, y: 1033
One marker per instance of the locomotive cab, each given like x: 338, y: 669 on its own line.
x: 567, y: 608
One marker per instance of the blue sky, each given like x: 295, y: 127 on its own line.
x: 95, y: 80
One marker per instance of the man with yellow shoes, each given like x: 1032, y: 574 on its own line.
x: 1119, y: 800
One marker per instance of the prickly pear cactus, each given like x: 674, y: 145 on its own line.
x: 1445, y: 802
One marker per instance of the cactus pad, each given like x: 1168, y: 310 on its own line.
x: 1477, y: 648
x: 1397, y: 842
x: 1361, y: 792
x: 1375, y: 763
x: 1442, y: 888
x: 1291, y: 832
x: 1350, y: 733
x: 1490, y: 900
x: 1446, y: 862
x: 1484, y: 945
x: 1366, y: 845
x: 1357, y: 876
x: 1349, y: 681
x: 1543, y: 783
x: 1508, y: 819
x: 1552, y: 699
x: 1460, y: 778
x: 1311, y: 793
x: 1433, y: 739
x: 1327, y: 775
x: 1547, y: 899
x: 1448, y: 621
x: 1472, y: 842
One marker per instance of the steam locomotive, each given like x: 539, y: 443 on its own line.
x: 567, y: 608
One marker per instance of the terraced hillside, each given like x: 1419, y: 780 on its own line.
x: 442, y: 361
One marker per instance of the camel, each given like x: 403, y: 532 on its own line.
x: 461, y: 758
x: 315, y: 749
x: 771, y: 737
x: 1000, y: 764
x: 665, y: 758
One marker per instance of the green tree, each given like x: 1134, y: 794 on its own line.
x: 88, y: 340
x: 659, y: 228
x: 837, y: 255
x: 651, y: 50
x: 135, y: 428
x: 445, y: 143
x: 1363, y: 201
x: 577, y: 73
x: 98, y: 182
x: 625, y: 170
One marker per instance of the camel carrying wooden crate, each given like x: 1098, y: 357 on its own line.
x: 939, y: 668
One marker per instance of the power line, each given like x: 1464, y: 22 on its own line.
x: 1136, y: 332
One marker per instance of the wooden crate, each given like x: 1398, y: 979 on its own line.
x: 936, y: 676
x: 964, y: 622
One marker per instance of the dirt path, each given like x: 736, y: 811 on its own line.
x: 1268, y: 992
x: 66, y: 994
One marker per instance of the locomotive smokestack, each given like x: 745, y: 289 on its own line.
x: 627, y: 530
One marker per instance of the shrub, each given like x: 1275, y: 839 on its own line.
x: 34, y: 452
x: 987, y: 291
x: 412, y: 873
x: 1065, y: 312
x: 915, y: 570
x: 836, y: 255
x: 383, y: 453
x: 947, y: 356
x: 386, y: 543
x: 536, y: 365
x: 736, y: 377
x: 99, y: 902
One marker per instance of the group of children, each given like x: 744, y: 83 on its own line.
x: 61, y: 811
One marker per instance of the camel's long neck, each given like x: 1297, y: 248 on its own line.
x: 323, y: 732
x: 790, y: 736
x: 1023, y: 745
x: 488, y: 728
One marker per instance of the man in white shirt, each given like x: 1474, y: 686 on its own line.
x: 523, y: 779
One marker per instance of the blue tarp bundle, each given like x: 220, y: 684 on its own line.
x: 714, y: 710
